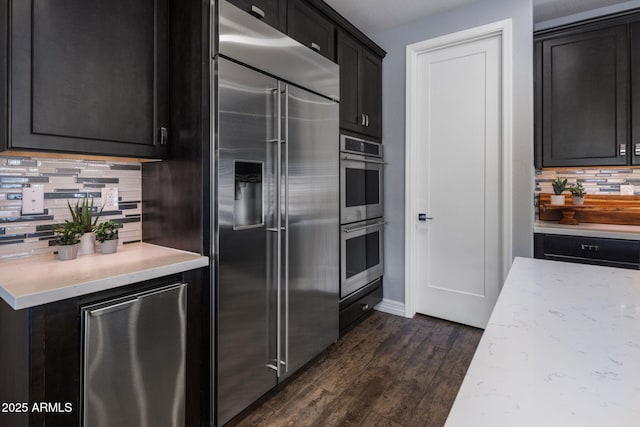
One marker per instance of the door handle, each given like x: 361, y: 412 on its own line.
x: 362, y: 120
x: 623, y: 150
x: 367, y: 116
x: 637, y: 148
x: 316, y: 47
x: 423, y: 217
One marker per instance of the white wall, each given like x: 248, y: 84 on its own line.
x: 394, y: 41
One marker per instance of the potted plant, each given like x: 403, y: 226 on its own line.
x: 577, y: 194
x: 68, y: 239
x: 82, y: 216
x: 559, y: 186
x: 107, y: 235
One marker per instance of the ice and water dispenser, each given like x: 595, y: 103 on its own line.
x: 247, y: 209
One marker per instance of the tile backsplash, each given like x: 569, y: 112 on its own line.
x: 594, y: 180
x: 63, y: 181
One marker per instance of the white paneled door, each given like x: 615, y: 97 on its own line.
x: 457, y: 180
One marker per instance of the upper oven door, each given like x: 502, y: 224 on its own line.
x: 360, y: 188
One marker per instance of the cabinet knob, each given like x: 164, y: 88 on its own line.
x: 257, y: 12
x: 163, y: 135
x: 367, y: 116
x: 623, y: 149
x: 364, y: 307
x: 316, y: 47
x: 637, y: 148
x: 589, y: 247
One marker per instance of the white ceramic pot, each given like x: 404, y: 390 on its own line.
x: 578, y: 201
x: 67, y: 252
x: 557, y: 200
x: 109, y: 246
x: 87, y: 244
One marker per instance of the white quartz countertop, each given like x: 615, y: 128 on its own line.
x: 611, y: 231
x: 29, y: 282
x: 562, y: 348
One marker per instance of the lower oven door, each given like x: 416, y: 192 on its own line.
x: 361, y: 188
x: 361, y: 255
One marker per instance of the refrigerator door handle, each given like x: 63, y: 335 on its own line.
x: 278, y: 229
x: 285, y: 361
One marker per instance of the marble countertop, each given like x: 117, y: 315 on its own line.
x: 611, y: 231
x: 562, y: 348
x: 29, y: 282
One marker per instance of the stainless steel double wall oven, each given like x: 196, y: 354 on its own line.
x: 361, y: 213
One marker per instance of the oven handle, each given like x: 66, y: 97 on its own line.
x: 362, y: 159
x: 364, y: 227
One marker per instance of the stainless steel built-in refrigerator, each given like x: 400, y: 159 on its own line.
x: 278, y: 209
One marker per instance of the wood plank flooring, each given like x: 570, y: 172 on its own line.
x: 387, y: 371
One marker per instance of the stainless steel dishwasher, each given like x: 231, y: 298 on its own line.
x: 134, y: 360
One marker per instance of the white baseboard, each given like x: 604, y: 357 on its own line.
x: 391, y: 307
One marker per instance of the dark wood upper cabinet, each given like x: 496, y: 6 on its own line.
x: 87, y: 77
x: 311, y: 28
x: 634, y: 31
x: 349, y: 59
x: 371, y: 81
x: 582, y: 96
x: 272, y: 12
x: 360, y: 87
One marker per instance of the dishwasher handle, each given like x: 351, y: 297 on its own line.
x: 115, y: 307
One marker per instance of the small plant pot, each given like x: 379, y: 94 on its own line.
x: 557, y: 200
x: 109, y: 246
x: 577, y: 201
x: 87, y: 244
x: 68, y: 252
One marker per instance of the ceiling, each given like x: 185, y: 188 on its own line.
x: 372, y: 16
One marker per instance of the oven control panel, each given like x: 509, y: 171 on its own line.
x: 360, y: 146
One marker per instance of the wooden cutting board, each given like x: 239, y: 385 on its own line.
x: 597, y: 208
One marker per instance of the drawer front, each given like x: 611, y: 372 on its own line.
x: 360, y: 307
x: 597, y: 249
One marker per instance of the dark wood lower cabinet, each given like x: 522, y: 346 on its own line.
x: 588, y: 250
x: 357, y: 306
x: 41, y: 357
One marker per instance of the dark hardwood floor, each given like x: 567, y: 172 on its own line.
x: 387, y: 371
